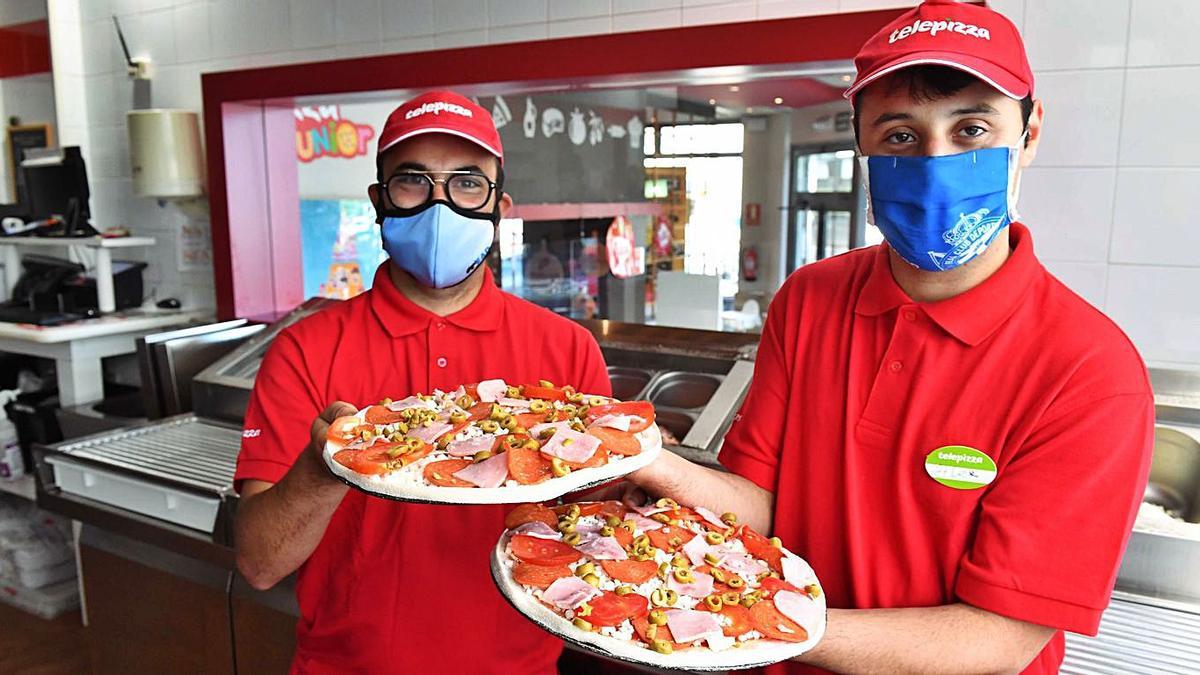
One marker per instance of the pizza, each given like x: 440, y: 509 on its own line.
x: 491, y: 442
x: 660, y: 585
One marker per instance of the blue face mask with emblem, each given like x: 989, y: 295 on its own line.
x: 439, y: 245
x: 941, y: 212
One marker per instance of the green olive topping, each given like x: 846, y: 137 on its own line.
x: 714, y: 538
x: 657, y: 617
x: 481, y: 455
x: 510, y: 423
x: 592, y: 579
x: 596, y: 400
x: 546, y: 383
x: 612, y: 521
x: 679, y: 561
x: 489, y: 426
x: 574, y: 511
x: 776, y: 542
x: 711, y: 559
x: 813, y: 590
x: 684, y: 575
x: 512, y: 392
x: 718, y: 575
x: 651, y: 631
x: 583, y: 609
x: 585, y: 569
x: 572, y: 539
x: 661, y: 517
x: 628, y: 525
x: 623, y: 590
x: 582, y: 624
x: 538, y: 406
x: 497, y: 412
x: 666, y: 503
x: 458, y: 417
x: 662, y: 647
x: 566, y: 526
x: 735, y: 582
x: 731, y: 598
x: 749, y: 601
x: 465, y: 402
x: 675, y: 542
x: 714, y: 602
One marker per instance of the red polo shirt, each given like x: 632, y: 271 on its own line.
x: 393, y: 587
x: 855, y: 384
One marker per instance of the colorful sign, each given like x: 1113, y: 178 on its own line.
x: 322, y: 132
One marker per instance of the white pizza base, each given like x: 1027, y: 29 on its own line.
x: 755, y: 654
x: 409, y: 485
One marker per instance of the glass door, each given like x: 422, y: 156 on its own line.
x: 826, y: 210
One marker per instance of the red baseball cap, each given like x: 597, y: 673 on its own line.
x: 442, y: 112
x: 968, y: 37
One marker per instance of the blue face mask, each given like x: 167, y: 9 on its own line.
x: 438, y: 245
x: 941, y: 212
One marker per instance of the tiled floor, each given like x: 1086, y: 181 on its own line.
x: 30, y: 644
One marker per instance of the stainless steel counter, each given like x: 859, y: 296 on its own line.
x: 1136, y: 637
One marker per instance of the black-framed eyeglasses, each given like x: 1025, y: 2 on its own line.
x: 468, y: 190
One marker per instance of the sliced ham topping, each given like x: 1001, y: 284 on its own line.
x: 742, y: 564
x: 469, y: 446
x: 603, y: 548
x: 514, y: 402
x: 650, y: 509
x: 622, y: 422
x: 491, y: 391
x: 430, y: 433
x: 695, y: 549
x: 411, y: 402
x: 799, y: 608
x: 536, y: 528
x: 539, y: 428
x: 458, y: 393
x: 700, y: 588
x: 571, y: 446
x: 688, y: 625
x: 569, y: 592
x: 795, y: 570
x: 711, y: 516
x: 489, y: 473
x: 645, y: 524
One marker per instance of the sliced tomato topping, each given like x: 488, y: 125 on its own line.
x: 544, y: 393
x: 769, y: 621
x: 530, y: 420
x: 740, y: 620
x: 623, y: 536
x: 661, y: 538
x: 539, y: 576
x: 355, y: 461
x: 344, y: 427
x: 630, y: 571
x: 684, y: 513
x: 616, y: 441
x: 718, y: 587
x: 585, y: 508
x: 511, y: 441
x: 445, y: 438
x: 640, y: 409
x: 479, y: 411
x: 770, y: 585
x: 641, y: 626
x: 542, y: 551
x: 598, y: 458
x: 528, y: 513
x: 611, y: 609
x: 472, y: 390
x: 760, y: 547
x: 527, y: 466
x: 381, y: 414
x: 613, y: 508
x: 442, y: 473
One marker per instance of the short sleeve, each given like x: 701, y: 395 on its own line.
x: 753, y: 444
x: 1054, y: 525
x: 282, y: 407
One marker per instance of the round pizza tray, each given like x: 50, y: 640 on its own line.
x: 580, y: 479
x: 750, y: 655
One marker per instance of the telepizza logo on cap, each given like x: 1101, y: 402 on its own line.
x: 437, y: 108
x: 935, y: 27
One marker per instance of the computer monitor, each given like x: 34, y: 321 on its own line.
x: 56, y: 184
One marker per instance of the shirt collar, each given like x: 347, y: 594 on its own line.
x: 972, y: 316
x: 401, y: 316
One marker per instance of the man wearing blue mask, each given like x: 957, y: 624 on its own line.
x: 385, y: 587
x: 955, y: 441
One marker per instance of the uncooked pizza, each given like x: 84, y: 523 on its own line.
x: 491, y: 442
x: 662, y: 585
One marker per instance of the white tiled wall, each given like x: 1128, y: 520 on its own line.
x: 1108, y: 198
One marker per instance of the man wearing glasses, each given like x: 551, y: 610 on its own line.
x: 385, y: 586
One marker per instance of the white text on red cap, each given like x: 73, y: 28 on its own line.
x: 935, y: 27
x: 437, y: 107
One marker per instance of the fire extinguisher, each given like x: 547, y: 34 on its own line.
x: 750, y: 264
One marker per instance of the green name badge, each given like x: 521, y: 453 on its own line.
x: 960, y: 467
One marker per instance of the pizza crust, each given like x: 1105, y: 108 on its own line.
x: 408, y: 486
x: 752, y: 654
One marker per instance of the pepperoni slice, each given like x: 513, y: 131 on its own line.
x: 769, y: 621
x: 630, y: 571
x: 661, y: 538
x: 616, y: 441
x: 644, y: 410
x: 539, y: 576
x: 760, y: 547
x: 527, y: 466
x: 530, y: 420
x: 381, y: 414
x: 479, y: 411
x: 542, y: 551
x: 624, y: 537
x: 442, y: 473
x: 528, y: 513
